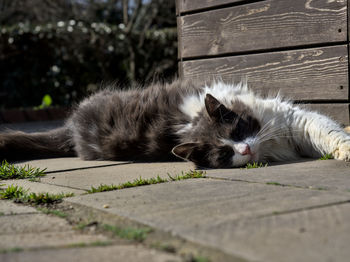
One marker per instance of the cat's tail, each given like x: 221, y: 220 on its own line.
x: 22, y: 146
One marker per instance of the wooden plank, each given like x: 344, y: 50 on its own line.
x: 307, y: 74
x: 185, y: 6
x: 261, y: 26
x: 338, y: 112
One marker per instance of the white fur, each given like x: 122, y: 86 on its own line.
x: 285, y: 126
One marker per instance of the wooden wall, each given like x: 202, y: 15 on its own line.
x: 297, y: 47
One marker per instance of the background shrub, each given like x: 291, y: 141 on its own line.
x: 71, y: 53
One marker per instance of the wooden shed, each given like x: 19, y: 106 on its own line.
x: 297, y: 47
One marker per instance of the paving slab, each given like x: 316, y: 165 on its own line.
x: 84, y: 179
x: 321, y: 174
x: 198, y: 209
x: 66, y: 164
x: 43, y: 240
x: 321, y: 234
x: 40, y: 230
x: 32, y: 223
x: 7, y: 207
x: 129, y: 253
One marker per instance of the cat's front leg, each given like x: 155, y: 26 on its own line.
x: 323, y: 134
x: 343, y: 152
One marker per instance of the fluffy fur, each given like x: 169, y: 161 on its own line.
x: 213, y: 124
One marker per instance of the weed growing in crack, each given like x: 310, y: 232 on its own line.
x: 326, y: 157
x: 255, y: 165
x: 142, y: 182
x: 10, y: 171
x: 19, y: 194
x: 13, y: 192
x: 57, y: 213
x: 130, y: 233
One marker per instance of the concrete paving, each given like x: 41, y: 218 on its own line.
x: 129, y: 253
x: 287, y: 212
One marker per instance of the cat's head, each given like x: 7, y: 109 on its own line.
x: 222, y: 137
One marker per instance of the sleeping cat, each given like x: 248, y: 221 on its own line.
x: 213, y: 124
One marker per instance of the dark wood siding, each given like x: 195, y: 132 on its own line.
x: 297, y: 47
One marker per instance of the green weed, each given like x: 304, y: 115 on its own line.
x: 189, y: 175
x: 44, y: 198
x: 19, y: 194
x: 92, y: 244
x: 11, y: 250
x: 102, y: 188
x: 53, y: 212
x: 326, y: 157
x: 130, y: 233
x: 255, y: 165
x: 142, y: 182
x: 200, y: 259
x: 10, y: 171
x: 274, y: 183
x: 12, y: 192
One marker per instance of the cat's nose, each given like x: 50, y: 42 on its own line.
x: 246, y: 150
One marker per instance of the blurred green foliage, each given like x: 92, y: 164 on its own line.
x: 69, y: 59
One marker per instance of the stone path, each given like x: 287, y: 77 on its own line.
x: 287, y: 212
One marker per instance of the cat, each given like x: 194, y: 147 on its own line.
x: 213, y: 124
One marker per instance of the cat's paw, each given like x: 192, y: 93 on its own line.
x: 343, y: 152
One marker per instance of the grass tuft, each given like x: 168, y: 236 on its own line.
x: 189, y: 175
x: 57, y: 213
x: 19, y: 194
x: 255, y: 165
x: 13, y: 192
x: 130, y: 233
x: 11, y: 250
x: 44, y: 198
x: 200, y: 259
x: 143, y: 182
x: 274, y: 183
x: 10, y: 171
x: 326, y: 157
x: 102, y: 188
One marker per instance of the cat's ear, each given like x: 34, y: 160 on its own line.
x: 217, y: 111
x: 185, y: 150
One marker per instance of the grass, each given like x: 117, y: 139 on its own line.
x: 10, y: 171
x: 142, y: 182
x: 92, y: 244
x: 52, y: 212
x: 255, y: 165
x: 326, y: 157
x: 11, y: 250
x: 274, y: 183
x: 200, y: 259
x: 19, y: 194
x: 130, y: 233
x: 13, y: 192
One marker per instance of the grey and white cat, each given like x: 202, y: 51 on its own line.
x: 214, y: 124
